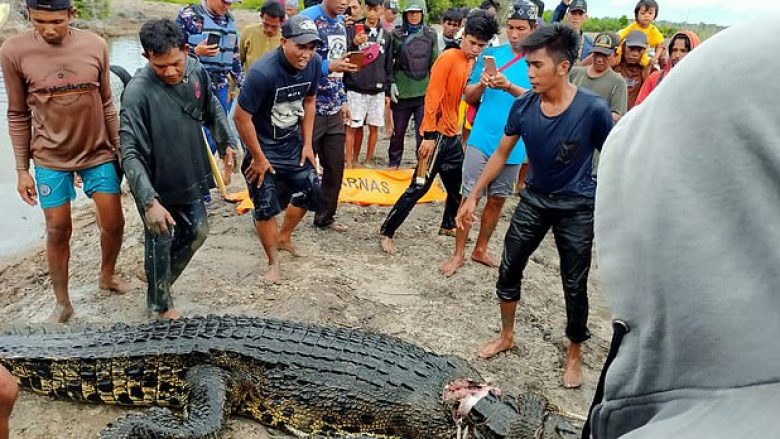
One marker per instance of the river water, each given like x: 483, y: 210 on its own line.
x: 21, y: 226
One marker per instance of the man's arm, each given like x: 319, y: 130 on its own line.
x: 243, y: 46
x: 602, y: 124
x: 476, y: 87
x: 388, y: 63
x: 493, y: 167
x: 560, y: 11
x: 237, y: 69
x: 109, y: 111
x: 307, y: 129
x: 216, y: 122
x: 19, y: 115
x: 434, y: 96
x: 136, y: 147
x: 19, y: 125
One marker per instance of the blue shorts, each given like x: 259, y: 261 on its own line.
x: 55, y: 188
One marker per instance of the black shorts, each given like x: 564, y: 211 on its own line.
x: 298, y: 186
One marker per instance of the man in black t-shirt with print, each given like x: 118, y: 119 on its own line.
x: 275, y: 118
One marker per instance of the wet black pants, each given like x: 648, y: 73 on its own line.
x: 447, y: 162
x: 166, y: 256
x: 571, y: 220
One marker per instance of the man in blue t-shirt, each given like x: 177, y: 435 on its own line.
x: 275, y: 118
x: 332, y: 109
x: 561, y: 126
x: 496, y: 92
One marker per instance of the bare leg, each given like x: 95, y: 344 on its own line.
x: 373, y: 135
x: 506, y: 340
x: 58, y: 231
x: 111, y: 222
x: 349, y: 145
x: 572, y: 365
x: 358, y: 145
x: 292, y: 217
x: 487, y: 226
x: 267, y: 232
x: 387, y: 246
x: 451, y: 265
x: 9, y: 391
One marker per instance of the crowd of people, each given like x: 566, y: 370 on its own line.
x: 489, y: 119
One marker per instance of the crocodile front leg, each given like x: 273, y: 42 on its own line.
x: 206, y: 410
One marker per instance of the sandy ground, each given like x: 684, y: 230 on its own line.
x: 345, y: 280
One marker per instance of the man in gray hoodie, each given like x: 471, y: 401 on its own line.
x: 689, y: 250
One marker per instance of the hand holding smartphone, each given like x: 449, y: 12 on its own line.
x: 355, y: 58
x: 490, y: 65
x: 213, y: 39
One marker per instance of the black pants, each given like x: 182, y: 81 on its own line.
x: 403, y: 110
x: 448, y: 163
x: 571, y: 219
x: 328, y: 142
x: 166, y: 256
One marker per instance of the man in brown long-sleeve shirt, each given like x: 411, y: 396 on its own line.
x: 61, y: 115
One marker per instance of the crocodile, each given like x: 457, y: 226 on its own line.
x: 308, y: 380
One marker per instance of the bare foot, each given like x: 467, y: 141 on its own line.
x: 446, y: 232
x: 61, y: 313
x: 336, y: 227
x: 571, y: 366
x: 272, y: 275
x: 386, y: 243
x: 288, y: 246
x: 115, y: 284
x: 171, y: 314
x: 495, y: 347
x: 451, y: 265
x: 484, y: 259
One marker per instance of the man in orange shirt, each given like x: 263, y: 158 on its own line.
x: 441, y: 151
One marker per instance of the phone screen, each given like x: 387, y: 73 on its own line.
x: 213, y: 39
x: 490, y: 65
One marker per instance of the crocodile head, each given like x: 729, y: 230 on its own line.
x: 493, y: 415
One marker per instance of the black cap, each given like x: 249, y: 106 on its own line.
x: 606, y: 43
x: 50, y: 5
x: 579, y: 5
x: 301, y: 29
x: 636, y: 38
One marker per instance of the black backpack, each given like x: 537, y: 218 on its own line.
x: 416, y: 52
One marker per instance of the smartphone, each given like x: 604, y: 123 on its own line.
x: 356, y: 58
x: 213, y: 39
x: 490, y: 65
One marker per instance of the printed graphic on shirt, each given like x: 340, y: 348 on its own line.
x: 64, y: 84
x: 288, y: 109
x: 337, y: 49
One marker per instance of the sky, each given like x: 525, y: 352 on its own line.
x: 723, y: 12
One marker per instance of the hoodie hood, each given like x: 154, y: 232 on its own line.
x: 689, y: 248
x: 412, y: 4
x: 693, y: 41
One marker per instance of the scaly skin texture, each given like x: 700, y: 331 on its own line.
x: 300, y: 378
